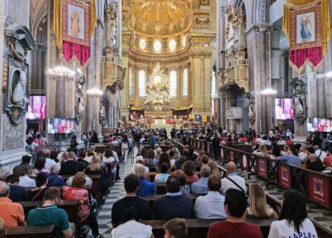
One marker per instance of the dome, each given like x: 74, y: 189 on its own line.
x: 160, y: 17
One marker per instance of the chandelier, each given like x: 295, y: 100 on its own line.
x: 60, y: 73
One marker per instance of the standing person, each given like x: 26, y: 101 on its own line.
x: 176, y: 228
x: 50, y: 214
x: 73, y: 144
x: 235, y: 226
x: 216, y: 146
x: 12, y: 213
x: 293, y: 220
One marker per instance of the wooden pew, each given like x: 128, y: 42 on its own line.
x: 198, y: 228
x: 152, y: 199
x: 71, y: 207
x: 30, y: 232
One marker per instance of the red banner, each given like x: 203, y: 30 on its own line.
x: 74, y: 51
x: 307, y: 26
x: 319, y: 189
x: 262, y: 168
x: 285, y: 177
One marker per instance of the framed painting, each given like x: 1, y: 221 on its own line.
x: 75, y: 22
x: 305, y: 28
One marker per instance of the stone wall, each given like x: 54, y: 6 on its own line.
x: 12, y: 138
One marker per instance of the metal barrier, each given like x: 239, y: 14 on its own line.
x: 314, y: 185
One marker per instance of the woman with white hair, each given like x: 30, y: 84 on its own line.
x: 146, y: 188
x: 54, y: 179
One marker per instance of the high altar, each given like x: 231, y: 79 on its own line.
x: 167, y: 54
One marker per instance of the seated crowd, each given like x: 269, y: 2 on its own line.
x: 50, y: 180
x: 193, y: 188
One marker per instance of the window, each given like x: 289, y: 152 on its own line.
x: 131, y: 82
x: 141, y: 83
x: 172, y: 84
x: 185, y: 82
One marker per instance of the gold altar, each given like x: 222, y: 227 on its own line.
x: 176, y: 37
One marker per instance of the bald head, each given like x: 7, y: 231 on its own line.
x: 4, y: 189
x: 231, y: 167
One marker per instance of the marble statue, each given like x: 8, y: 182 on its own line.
x: 157, y: 98
x: 299, y: 99
x: 19, y: 92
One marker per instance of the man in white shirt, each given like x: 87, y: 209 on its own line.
x: 49, y: 162
x: 25, y: 180
x: 232, y: 180
x: 211, y: 206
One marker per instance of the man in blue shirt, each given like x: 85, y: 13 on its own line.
x: 291, y: 159
x: 174, y: 203
x: 201, y: 186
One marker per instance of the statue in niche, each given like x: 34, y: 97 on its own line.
x: 299, y: 99
x: 157, y: 98
x: 80, y: 83
x: 114, y: 14
x: 250, y: 101
x: 102, y: 116
x: 20, y: 90
x: 16, y: 84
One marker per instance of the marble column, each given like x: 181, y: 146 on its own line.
x: 259, y: 76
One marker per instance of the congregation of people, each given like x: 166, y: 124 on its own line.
x: 192, y: 181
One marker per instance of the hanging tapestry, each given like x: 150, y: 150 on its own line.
x: 307, y: 26
x: 73, y: 24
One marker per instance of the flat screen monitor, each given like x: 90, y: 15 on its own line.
x: 61, y: 126
x: 36, y: 108
x: 319, y: 125
x: 284, y: 109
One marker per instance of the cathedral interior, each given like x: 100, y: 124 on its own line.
x: 69, y: 68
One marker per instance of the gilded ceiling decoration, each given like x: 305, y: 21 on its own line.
x: 160, y: 17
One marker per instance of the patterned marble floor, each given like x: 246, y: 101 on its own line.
x: 117, y: 192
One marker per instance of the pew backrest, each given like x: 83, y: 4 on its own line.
x: 30, y: 232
